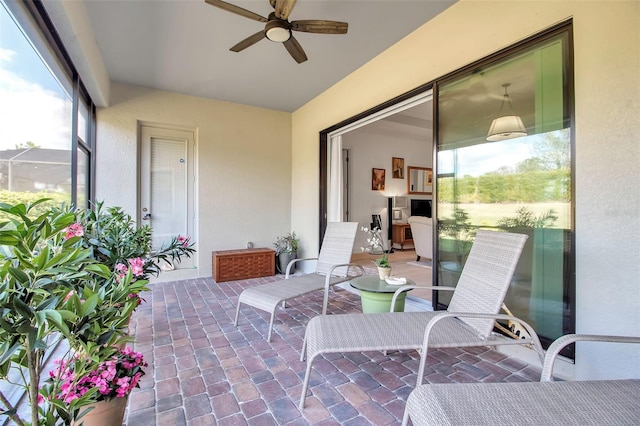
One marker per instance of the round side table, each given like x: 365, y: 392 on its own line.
x: 376, y: 294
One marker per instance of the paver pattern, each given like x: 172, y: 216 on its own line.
x: 203, y: 370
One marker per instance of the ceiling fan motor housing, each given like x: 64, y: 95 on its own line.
x: 277, y: 30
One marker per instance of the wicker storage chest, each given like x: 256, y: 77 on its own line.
x: 230, y: 265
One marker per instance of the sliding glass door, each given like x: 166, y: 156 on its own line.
x: 504, y: 163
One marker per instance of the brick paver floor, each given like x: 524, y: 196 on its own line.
x: 203, y: 370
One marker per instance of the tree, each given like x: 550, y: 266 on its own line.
x: 553, y: 150
x: 27, y: 144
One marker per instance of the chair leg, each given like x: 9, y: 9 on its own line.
x: 325, y: 301
x: 273, y: 314
x: 305, y: 384
x: 423, y: 364
x: 304, y: 348
x: 418, y: 259
x: 405, y: 417
x: 235, y: 322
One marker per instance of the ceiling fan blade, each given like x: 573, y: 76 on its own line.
x: 236, y: 9
x: 321, y: 27
x: 295, y: 50
x: 283, y: 8
x: 249, y: 41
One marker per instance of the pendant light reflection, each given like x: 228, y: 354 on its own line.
x: 507, y: 125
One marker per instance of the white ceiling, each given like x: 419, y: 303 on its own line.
x: 183, y: 46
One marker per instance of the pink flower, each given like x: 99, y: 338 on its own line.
x: 113, y: 378
x: 123, y: 386
x: 73, y: 230
x: 137, y: 266
x: 135, y: 297
x: 183, y: 240
x: 71, y: 293
x: 121, y: 271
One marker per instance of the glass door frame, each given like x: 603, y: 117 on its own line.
x: 568, y: 325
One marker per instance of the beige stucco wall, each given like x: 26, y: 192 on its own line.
x: 607, y: 94
x: 243, y: 172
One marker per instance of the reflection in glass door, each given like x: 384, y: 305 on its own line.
x: 515, y: 179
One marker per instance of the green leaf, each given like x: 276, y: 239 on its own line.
x: 55, y: 317
x: 41, y: 259
x: 48, y: 303
x: 22, y: 308
x: 67, y: 315
x: 41, y: 318
x: 8, y: 348
x: 7, y: 326
x: 89, y: 305
x: 19, y: 275
x: 99, y: 269
x: 7, y: 239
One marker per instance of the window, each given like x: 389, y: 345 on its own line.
x: 517, y: 180
x: 47, y: 119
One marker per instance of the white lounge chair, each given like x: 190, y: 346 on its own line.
x: 468, y: 321
x: 605, y: 402
x: 332, y: 267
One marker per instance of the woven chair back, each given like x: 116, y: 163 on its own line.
x: 486, y: 276
x: 337, y: 247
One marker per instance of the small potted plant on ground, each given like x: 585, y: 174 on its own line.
x: 286, y: 251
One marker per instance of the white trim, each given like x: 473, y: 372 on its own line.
x: 394, y: 109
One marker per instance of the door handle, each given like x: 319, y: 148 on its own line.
x: 147, y: 216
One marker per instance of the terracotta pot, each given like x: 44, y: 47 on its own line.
x: 104, y: 413
x: 384, y: 272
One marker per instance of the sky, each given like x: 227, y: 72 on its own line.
x: 29, y: 94
x: 488, y: 157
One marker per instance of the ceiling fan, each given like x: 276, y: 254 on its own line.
x: 278, y: 28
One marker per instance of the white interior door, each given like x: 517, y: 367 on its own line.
x: 167, y: 185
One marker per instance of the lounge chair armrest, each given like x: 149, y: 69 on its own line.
x: 327, y: 282
x: 327, y: 279
x: 293, y: 262
x: 535, y: 340
x: 558, y: 344
x: 334, y: 267
x: 411, y: 287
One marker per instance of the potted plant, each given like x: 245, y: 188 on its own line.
x: 286, y: 251
x: 375, y: 245
x: 110, y: 382
x: 116, y: 241
x: 384, y: 267
x: 41, y: 264
x: 72, y: 276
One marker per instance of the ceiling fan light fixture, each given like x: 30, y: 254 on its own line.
x: 507, y: 125
x: 277, y: 31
